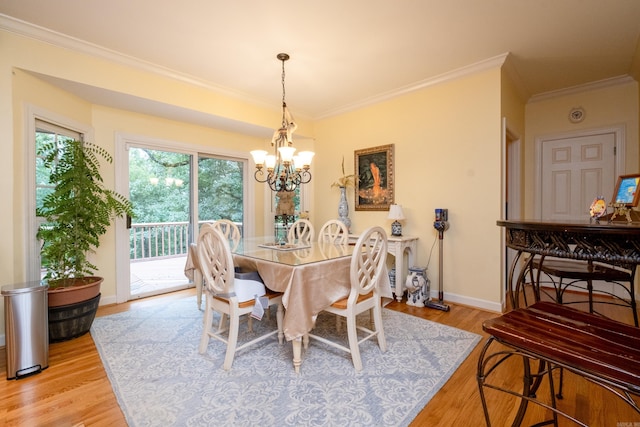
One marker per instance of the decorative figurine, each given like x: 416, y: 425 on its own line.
x: 598, y: 208
x: 417, y: 286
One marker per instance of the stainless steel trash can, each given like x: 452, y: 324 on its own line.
x: 26, y: 328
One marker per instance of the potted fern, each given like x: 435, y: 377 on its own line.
x: 77, y: 213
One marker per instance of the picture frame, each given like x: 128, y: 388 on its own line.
x: 374, y: 183
x: 626, y: 191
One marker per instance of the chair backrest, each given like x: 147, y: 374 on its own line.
x: 301, y: 231
x: 334, y: 231
x: 216, y: 262
x: 367, y: 262
x: 229, y: 230
x: 193, y: 253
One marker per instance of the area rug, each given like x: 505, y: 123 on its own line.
x: 151, y: 356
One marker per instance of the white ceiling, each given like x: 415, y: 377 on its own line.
x: 346, y: 53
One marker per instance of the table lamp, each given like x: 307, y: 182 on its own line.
x: 396, y: 214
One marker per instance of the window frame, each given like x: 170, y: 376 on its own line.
x: 34, y: 114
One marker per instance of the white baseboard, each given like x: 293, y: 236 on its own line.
x: 471, y: 302
x: 107, y: 300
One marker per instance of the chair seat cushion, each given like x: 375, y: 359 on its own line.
x: 342, y: 304
x: 246, y: 291
x: 270, y: 294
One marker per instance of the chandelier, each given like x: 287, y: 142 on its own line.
x: 285, y: 171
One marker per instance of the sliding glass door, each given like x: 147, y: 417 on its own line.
x: 221, y: 189
x: 160, y: 189
x: 174, y: 192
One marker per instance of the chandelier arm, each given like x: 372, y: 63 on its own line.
x: 273, y: 186
x: 261, y: 172
x: 305, y: 177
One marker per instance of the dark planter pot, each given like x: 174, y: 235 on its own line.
x: 71, y: 321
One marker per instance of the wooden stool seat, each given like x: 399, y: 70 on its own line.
x: 602, y: 350
x: 592, y: 345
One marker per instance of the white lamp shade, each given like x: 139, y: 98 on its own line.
x: 297, y: 162
x: 395, y: 212
x: 306, y: 157
x: 270, y: 161
x: 258, y: 156
x: 286, y: 153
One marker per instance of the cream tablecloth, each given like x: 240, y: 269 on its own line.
x: 308, y: 288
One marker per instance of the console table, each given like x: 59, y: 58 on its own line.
x: 397, y: 246
x: 616, y: 243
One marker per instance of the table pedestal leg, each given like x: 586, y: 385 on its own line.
x: 297, y: 354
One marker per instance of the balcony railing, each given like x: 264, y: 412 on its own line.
x: 160, y: 239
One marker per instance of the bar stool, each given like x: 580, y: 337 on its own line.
x: 575, y: 271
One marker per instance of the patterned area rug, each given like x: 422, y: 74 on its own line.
x: 151, y: 357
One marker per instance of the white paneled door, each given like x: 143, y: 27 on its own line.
x: 574, y: 171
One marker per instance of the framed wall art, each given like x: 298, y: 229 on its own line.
x: 626, y: 191
x: 374, y: 178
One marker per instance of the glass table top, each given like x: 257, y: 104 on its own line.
x: 267, y: 249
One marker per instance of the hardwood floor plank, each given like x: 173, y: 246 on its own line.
x: 75, y: 389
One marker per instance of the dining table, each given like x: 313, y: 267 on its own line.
x: 311, y: 276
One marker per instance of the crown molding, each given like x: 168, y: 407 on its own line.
x: 489, y: 63
x: 599, y: 84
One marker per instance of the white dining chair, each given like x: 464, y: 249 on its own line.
x: 229, y: 296
x: 301, y: 231
x: 197, y: 273
x: 230, y: 230
x: 367, y: 266
x: 334, y: 231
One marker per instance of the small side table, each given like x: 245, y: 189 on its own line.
x: 397, y: 246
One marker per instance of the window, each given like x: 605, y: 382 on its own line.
x: 42, y: 127
x: 48, y: 133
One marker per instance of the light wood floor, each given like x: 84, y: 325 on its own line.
x: 75, y: 390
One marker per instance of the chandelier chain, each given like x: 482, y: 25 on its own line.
x: 284, y: 104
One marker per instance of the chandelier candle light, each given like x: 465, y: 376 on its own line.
x: 285, y: 171
x: 396, y: 214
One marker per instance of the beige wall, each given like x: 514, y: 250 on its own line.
x: 447, y: 151
x: 447, y: 155
x: 604, y: 107
x: 513, y: 107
